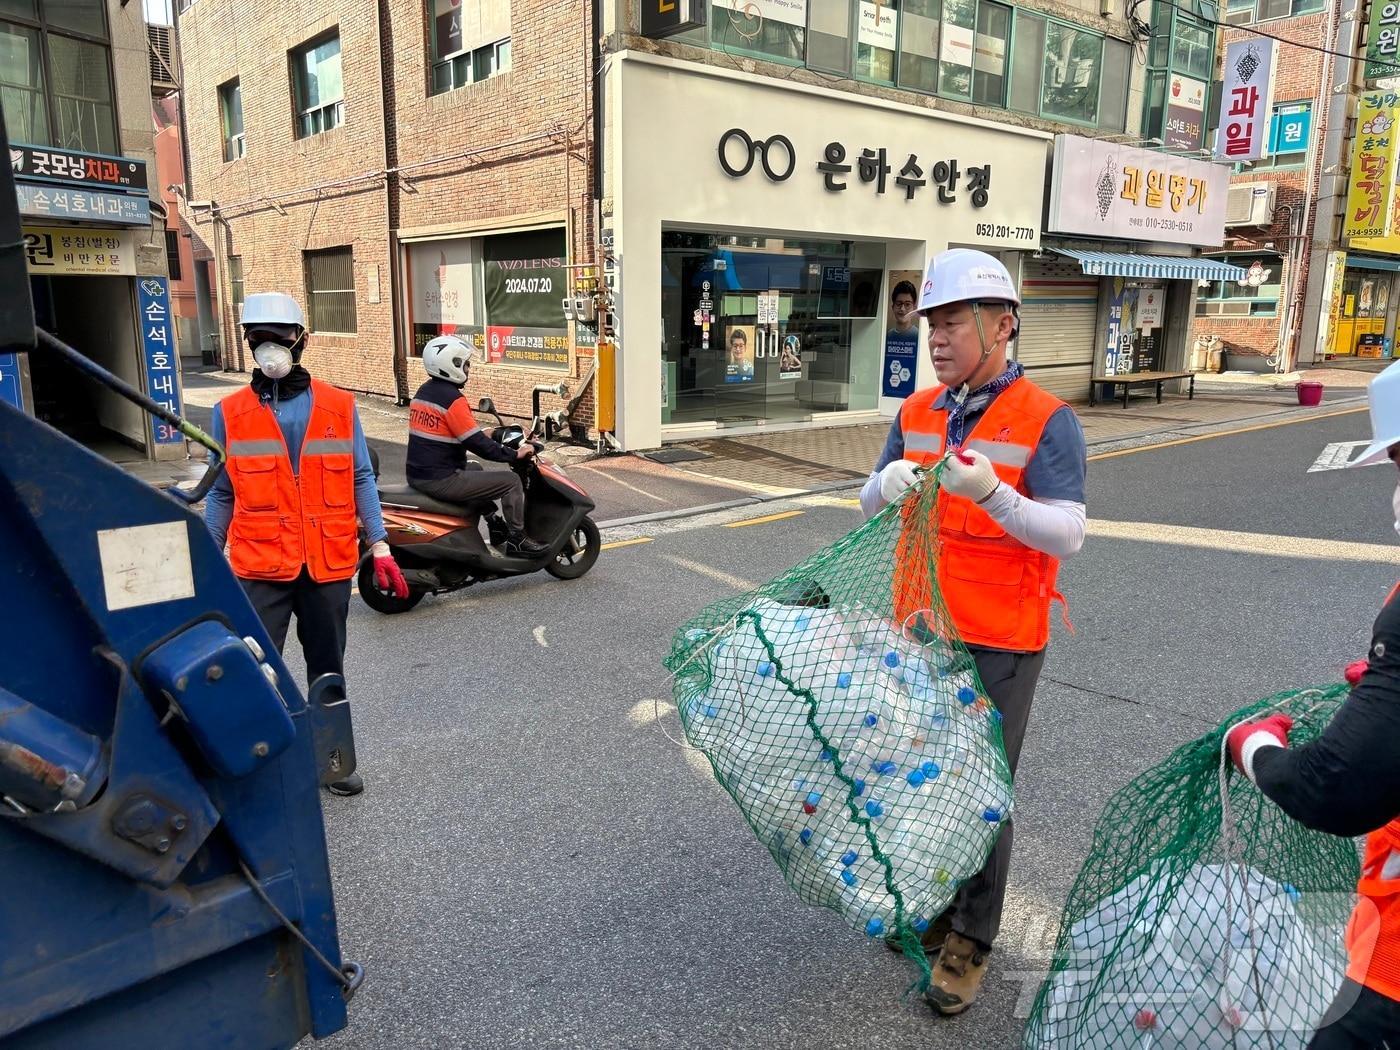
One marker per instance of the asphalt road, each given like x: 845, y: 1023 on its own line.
x: 535, y: 864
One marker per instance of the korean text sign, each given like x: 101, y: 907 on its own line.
x: 1246, y: 100
x: 158, y: 342
x: 79, y: 250
x: 1383, y: 40
x: 1372, y: 166
x: 1103, y: 189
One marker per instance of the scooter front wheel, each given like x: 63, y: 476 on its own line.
x: 377, y: 599
x: 577, y: 558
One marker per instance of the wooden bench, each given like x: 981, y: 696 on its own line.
x: 1131, y: 379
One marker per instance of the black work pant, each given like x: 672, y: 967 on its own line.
x: 468, y: 486
x: 321, y: 610
x: 1010, y: 680
x: 1360, y: 1019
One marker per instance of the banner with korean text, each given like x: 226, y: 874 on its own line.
x: 1246, y: 100
x: 1372, y: 166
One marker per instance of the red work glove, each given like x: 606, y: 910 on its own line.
x: 1354, y: 671
x: 387, y: 576
x: 1248, y: 737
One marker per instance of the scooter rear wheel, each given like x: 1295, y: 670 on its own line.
x: 570, y: 565
x: 377, y: 599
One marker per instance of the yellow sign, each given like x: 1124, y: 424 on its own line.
x: 1390, y: 243
x: 1373, y: 166
x: 61, y: 250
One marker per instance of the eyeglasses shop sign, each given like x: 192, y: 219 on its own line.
x: 1100, y: 189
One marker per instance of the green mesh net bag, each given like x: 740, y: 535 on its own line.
x: 1204, y: 916
x: 846, y: 719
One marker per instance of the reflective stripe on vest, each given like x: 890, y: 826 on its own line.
x: 997, y: 590
x: 282, y: 520
x: 1373, y: 935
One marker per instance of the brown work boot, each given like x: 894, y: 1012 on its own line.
x: 932, y: 938
x: 957, y: 975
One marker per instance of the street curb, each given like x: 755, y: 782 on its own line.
x: 1165, y: 435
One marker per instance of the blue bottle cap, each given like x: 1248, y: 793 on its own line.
x: 875, y: 927
x: 920, y: 925
x: 915, y: 778
x: 765, y: 669
x: 967, y: 695
x: 813, y: 797
x: 803, y: 622
x: 939, y: 721
x: 710, y: 711
x: 886, y: 767
x: 843, y: 680
x: 825, y: 756
x: 931, y: 770
x: 874, y: 809
x: 991, y: 815
x: 859, y: 787
x: 996, y: 716
x: 849, y: 857
x: 1292, y: 892
x: 805, y: 836
x: 872, y: 721
x: 848, y: 878
x: 892, y: 659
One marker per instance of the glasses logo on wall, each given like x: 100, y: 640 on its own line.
x: 756, y: 149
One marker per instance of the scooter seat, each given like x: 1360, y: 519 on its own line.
x: 407, y: 496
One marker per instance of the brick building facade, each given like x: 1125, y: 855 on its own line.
x: 387, y: 169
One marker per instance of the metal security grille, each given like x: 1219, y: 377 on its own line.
x: 330, y: 290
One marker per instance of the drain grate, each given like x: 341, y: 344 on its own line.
x: 676, y: 455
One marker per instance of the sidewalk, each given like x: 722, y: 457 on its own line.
x: 754, y: 467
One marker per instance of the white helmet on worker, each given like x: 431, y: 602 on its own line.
x: 1384, y: 395
x: 449, y: 358
x: 964, y: 275
x: 271, y: 308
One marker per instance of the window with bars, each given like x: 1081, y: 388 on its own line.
x: 317, y: 86
x: 330, y: 290
x: 172, y: 254
x: 235, y: 284
x: 56, y: 75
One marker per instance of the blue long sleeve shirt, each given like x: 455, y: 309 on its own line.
x: 293, y: 415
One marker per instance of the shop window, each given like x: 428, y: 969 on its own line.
x: 1231, y: 299
x: 56, y: 75
x: 235, y: 283
x: 172, y: 254
x: 772, y: 31
x: 829, y: 35
x: 1113, y: 87
x: 1244, y: 12
x: 958, y: 44
x: 1027, y: 62
x: 231, y: 116
x: 330, y: 290
x: 1181, y: 60
x: 1073, y: 64
x: 318, y: 91
x: 468, y: 42
x: 1193, y: 49
x: 919, y: 32
x: 877, y: 40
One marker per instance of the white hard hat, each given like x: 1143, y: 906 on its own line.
x: 271, y: 308
x: 964, y: 275
x: 448, y: 357
x: 1384, y: 395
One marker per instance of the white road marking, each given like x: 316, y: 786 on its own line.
x: 618, y: 481
x: 539, y: 637
x: 1246, y: 542
x: 1336, y: 455
x: 736, y: 582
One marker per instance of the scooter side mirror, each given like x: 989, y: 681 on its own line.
x: 486, y: 405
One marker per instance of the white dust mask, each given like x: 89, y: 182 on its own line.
x: 274, y: 359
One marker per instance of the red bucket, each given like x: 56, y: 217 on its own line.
x: 1309, y: 393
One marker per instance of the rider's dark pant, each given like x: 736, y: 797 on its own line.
x: 469, y: 486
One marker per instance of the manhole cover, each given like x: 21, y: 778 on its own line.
x: 676, y: 455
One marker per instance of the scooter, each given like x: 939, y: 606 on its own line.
x: 440, y: 547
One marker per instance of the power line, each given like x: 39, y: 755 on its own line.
x: 1256, y: 32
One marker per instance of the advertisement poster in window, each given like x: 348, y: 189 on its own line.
x: 447, y: 15
x: 1122, y: 320
x: 749, y: 15
x: 1186, y: 105
x: 739, y: 353
x: 877, y: 25
x: 902, y: 338
x: 790, y: 358
x: 442, y: 297
x: 524, y: 281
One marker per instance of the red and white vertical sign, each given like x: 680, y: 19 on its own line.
x: 1246, y: 100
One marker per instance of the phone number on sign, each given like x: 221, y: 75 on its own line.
x: 1015, y: 233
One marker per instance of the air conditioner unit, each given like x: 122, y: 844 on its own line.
x: 1250, y: 204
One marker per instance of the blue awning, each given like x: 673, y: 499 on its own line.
x: 1166, y: 267
x: 1370, y: 262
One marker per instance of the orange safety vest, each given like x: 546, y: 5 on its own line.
x: 996, y: 589
x: 1373, y: 935
x: 283, y: 520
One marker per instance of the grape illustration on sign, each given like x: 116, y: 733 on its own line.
x: 1107, y: 184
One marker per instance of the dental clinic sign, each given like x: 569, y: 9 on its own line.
x: 1101, y: 189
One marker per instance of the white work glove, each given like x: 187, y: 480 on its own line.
x: 897, y: 476
x: 969, y: 474
x: 380, y: 549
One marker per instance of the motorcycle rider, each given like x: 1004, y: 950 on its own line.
x: 442, y: 430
